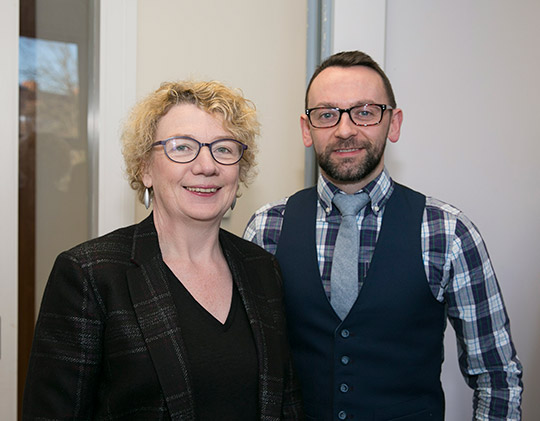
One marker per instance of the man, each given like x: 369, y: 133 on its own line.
x: 367, y: 338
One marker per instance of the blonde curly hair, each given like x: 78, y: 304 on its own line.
x: 238, y: 114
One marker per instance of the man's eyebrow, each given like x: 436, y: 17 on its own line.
x: 354, y: 104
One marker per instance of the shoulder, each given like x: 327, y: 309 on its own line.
x: 274, y: 209
x: 437, y: 209
x: 436, y: 205
x: 246, y: 257
x: 445, y: 223
x: 244, y: 248
x: 114, y: 244
x: 117, y: 240
x: 265, y: 225
x: 447, y: 218
x: 83, y: 276
x: 257, y: 274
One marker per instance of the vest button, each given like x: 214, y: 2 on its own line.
x: 344, y: 388
x: 345, y: 333
x: 342, y: 415
x: 345, y: 360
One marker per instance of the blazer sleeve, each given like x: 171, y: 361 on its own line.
x: 66, y: 352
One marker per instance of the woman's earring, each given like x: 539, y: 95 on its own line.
x: 233, y: 203
x: 147, y: 199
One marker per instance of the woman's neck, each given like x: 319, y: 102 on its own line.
x: 182, y: 241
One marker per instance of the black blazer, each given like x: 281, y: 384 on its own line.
x: 107, y: 343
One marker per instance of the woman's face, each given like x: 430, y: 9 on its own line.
x: 201, y: 190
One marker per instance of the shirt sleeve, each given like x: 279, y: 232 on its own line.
x: 264, y: 227
x: 476, y: 310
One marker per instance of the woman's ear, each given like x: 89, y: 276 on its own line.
x: 146, y: 175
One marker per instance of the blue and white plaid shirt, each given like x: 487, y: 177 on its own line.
x: 459, y: 274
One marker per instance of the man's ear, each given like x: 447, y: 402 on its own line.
x: 395, y: 125
x: 306, y: 132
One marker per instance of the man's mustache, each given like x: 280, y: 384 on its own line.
x: 349, y: 143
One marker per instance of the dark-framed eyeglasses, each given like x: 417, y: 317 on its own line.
x: 184, y: 149
x: 361, y: 115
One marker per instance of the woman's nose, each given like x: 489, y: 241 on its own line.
x: 205, y: 163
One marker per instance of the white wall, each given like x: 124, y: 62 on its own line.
x: 259, y: 47
x: 117, y: 79
x: 9, y: 109
x: 466, y: 75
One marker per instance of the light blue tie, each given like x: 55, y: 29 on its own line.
x: 344, y: 274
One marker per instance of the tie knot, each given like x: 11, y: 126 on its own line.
x: 350, y: 204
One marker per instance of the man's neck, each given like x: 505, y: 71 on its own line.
x: 354, y: 186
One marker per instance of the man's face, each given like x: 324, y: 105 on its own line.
x: 350, y: 156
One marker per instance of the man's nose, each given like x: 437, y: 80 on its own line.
x: 345, y: 128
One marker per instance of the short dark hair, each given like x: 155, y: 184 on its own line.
x: 351, y: 59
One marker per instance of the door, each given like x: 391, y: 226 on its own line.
x: 69, y: 179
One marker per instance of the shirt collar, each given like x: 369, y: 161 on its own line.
x: 379, y: 190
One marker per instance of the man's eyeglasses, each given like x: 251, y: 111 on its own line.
x: 361, y: 115
x: 184, y: 149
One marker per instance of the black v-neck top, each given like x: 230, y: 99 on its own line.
x: 222, y: 357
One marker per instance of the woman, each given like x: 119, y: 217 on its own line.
x: 171, y: 318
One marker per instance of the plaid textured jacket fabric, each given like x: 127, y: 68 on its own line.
x: 107, y: 343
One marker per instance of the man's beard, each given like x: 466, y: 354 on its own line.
x: 342, y: 170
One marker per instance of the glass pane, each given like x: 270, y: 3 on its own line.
x: 54, y: 181
x: 49, y: 74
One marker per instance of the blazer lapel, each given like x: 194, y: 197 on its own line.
x: 158, y: 320
x: 237, y: 264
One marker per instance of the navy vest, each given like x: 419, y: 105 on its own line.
x: 384, y: 360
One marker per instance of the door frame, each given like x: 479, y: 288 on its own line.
x: 9, y: 160
x: 117, y: 94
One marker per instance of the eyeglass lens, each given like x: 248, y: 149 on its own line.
x: 184, y: 150
x: 368, y: 114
